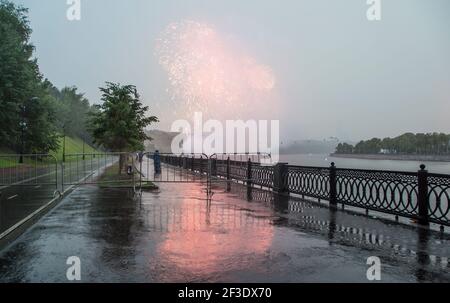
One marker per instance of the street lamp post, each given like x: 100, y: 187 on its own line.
x: 64, y: 145
x: 22, y: 132
x: 84, y: 156
x: 23, y: 124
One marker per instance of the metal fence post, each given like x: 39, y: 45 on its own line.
x: 228, y: 175
x: 333, y: 186
x: 132, y: 172
x: 184, y: 162
x: 62, y: 177
x: 249, y: 180
x: 214, y: 167
x: 422, y: 196
x: 280, y: 174
x: 249, y: 173
x: 140, y: 172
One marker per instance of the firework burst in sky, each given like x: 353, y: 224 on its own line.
x: 206, y: 73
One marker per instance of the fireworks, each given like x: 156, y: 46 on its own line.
x: 207, y: 74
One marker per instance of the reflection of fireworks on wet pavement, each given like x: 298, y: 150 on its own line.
x: 206, y: 74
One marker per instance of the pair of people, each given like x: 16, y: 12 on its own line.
x: 156, y: 162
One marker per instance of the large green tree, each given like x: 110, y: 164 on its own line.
x: 73, y: 109
x: 38, y: 122
x: 119, y: 123
x: 27, y: 112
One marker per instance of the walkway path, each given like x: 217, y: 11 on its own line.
x: 175, y: 235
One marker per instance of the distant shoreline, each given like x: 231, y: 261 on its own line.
x: 427, y: 158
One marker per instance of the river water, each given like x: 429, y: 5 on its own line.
x: 324, y: 160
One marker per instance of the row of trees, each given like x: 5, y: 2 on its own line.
x: 33, y: 113
x: 409, y: 143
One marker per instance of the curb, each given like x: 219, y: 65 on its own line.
x: 18, y: 229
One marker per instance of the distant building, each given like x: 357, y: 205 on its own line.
x: 161, y: 141
x: 388, y: 151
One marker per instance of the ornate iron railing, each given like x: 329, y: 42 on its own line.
x: 421, y: 196
x: 439, y: 198
x: 262, y: 175
x: 308, y: 181
x: 389, y: 192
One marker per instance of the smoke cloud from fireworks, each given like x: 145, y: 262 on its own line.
x: 210, y: 74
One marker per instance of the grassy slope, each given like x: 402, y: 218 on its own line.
x: 73, y: 146
x: 111, y: 179
x: 6, y: 161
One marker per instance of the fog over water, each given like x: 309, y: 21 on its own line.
x: 319, y: 66
x: 324, y: 160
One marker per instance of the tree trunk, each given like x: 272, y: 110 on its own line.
x: 121, y: 163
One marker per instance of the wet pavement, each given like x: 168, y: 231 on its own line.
x: 177, y: 235
x: 31, y: 191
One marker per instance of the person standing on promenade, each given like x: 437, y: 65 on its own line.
x: 157, y: 162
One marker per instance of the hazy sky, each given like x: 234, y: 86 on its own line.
x: 320, y: 66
